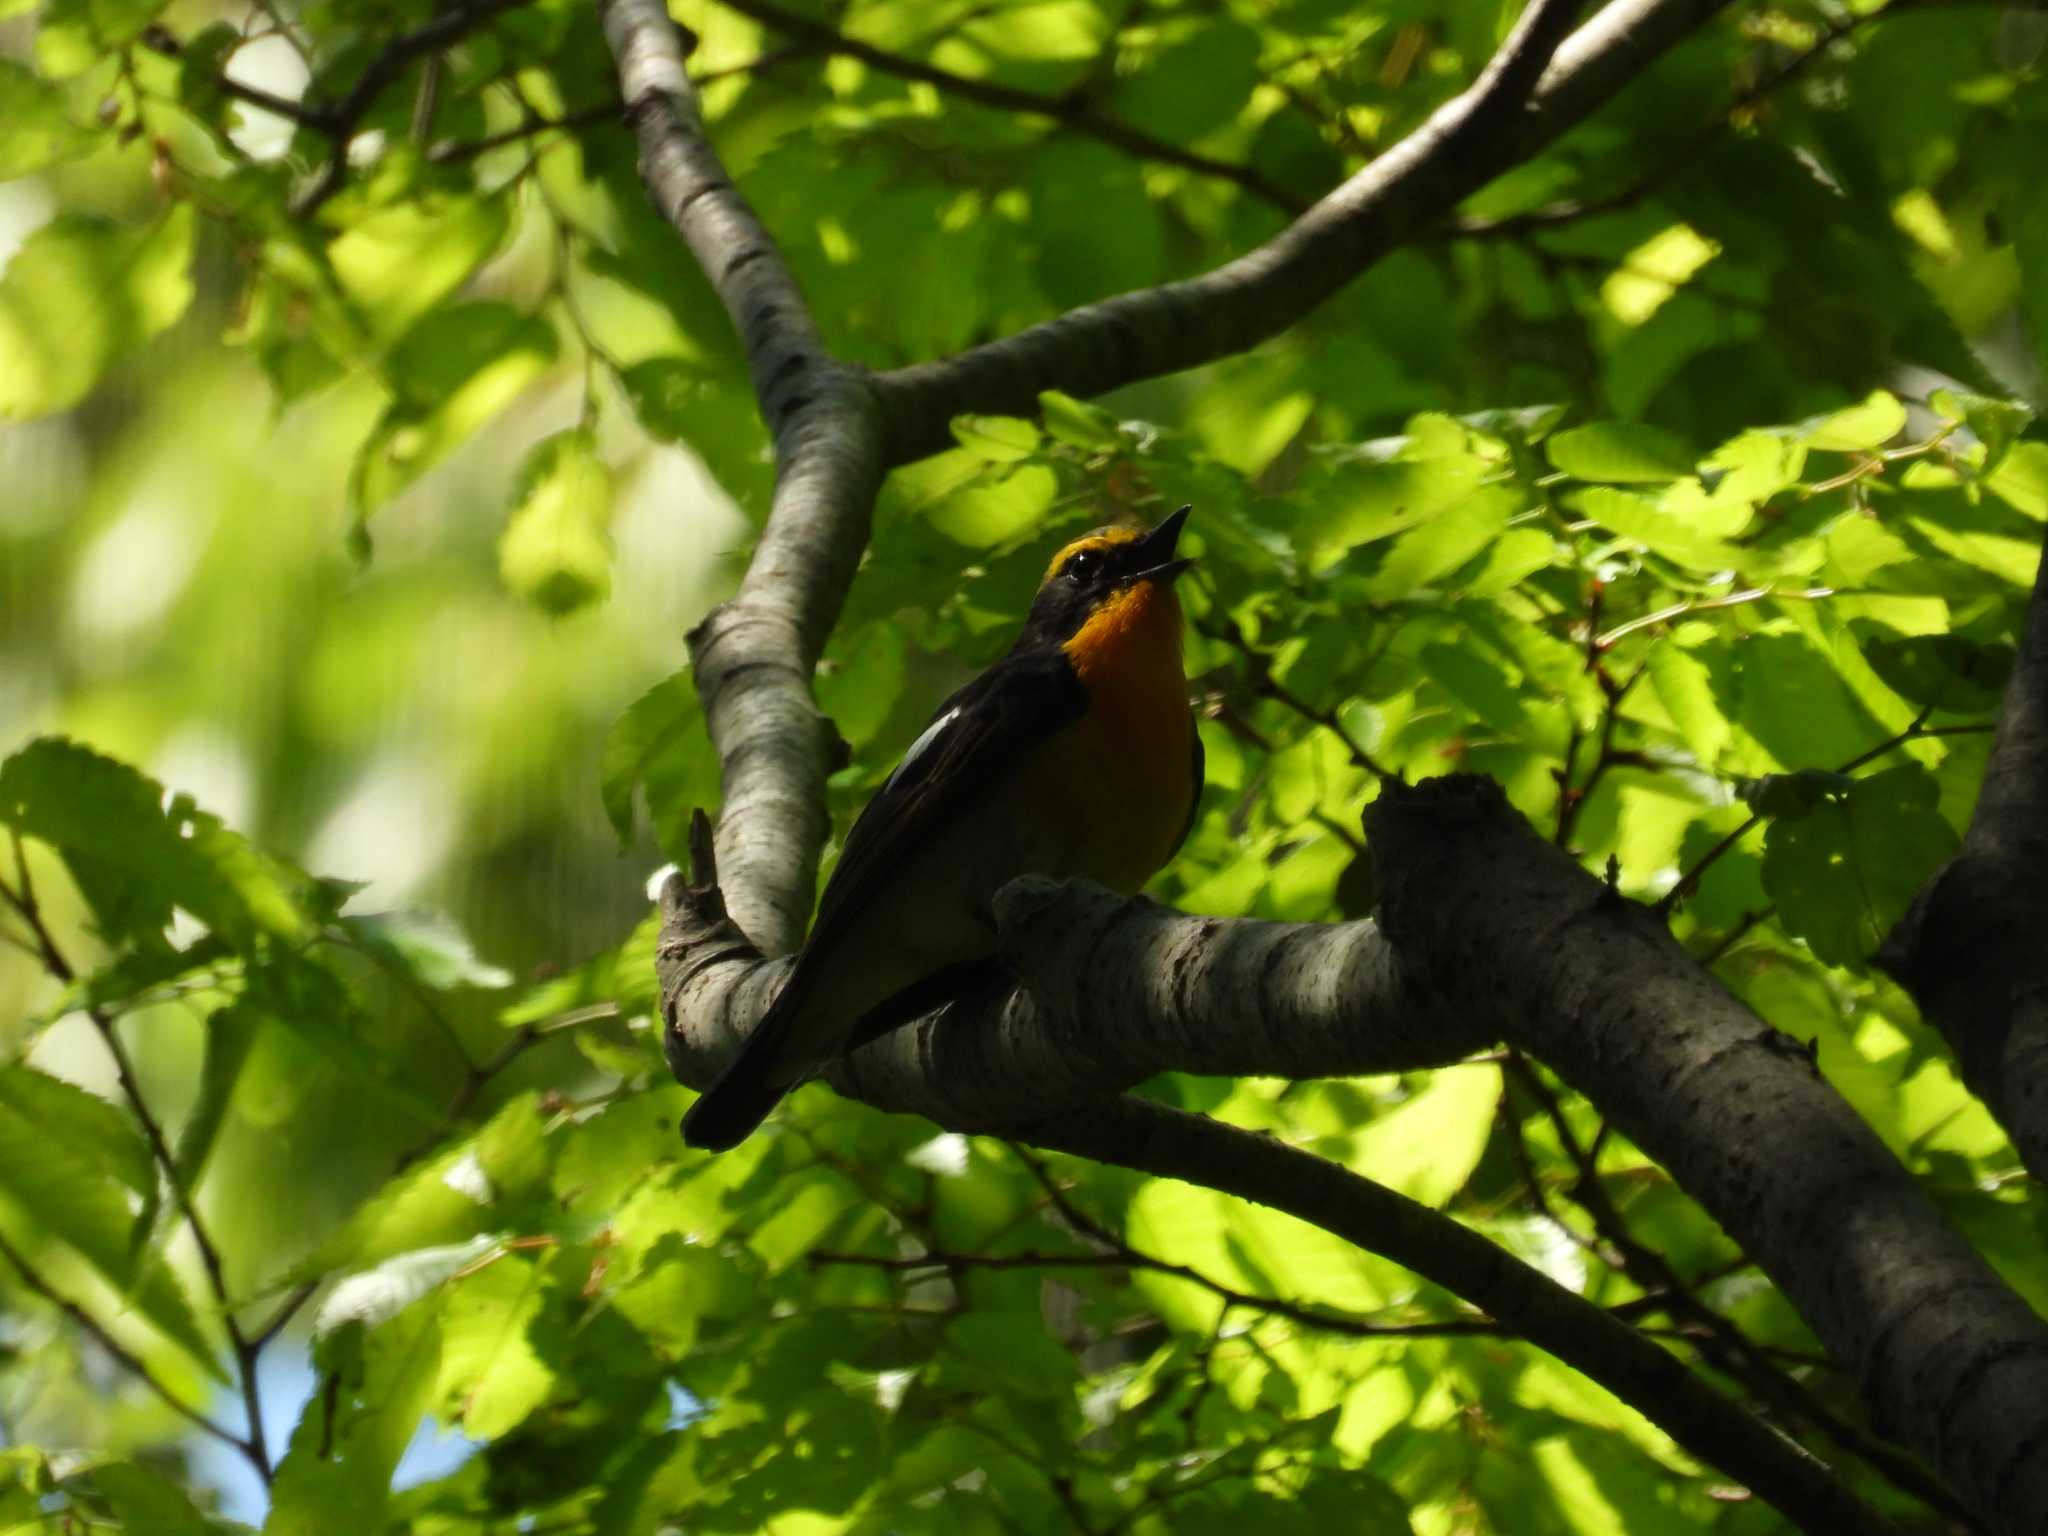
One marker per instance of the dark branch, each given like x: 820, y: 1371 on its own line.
x: 1970, y: 949
x: 1464, y: 144
x: 1947, y: 1358
x: 1133, y: 1133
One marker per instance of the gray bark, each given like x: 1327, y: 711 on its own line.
x: 1949, y: 1360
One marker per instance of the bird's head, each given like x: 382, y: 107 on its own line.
x: 1106, y: 581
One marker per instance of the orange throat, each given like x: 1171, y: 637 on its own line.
x: 1135, y: 748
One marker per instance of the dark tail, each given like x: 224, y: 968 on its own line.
x: 745, y: 1091
x: 739, y: 1101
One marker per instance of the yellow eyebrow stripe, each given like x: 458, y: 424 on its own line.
x: 1100, y: 538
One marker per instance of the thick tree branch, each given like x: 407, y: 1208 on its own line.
x: 1507, y: 114
x: 1130, y: 988
x: 1167, y: 1143
x: 753, y: 657
x: 1970, y: 949
x: 1947, y: 1357
x: 1117, y: 990
x: 1074, y: 111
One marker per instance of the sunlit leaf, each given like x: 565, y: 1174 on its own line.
x: 78, y: 294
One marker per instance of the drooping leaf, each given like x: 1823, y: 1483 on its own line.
x: 555, y: 552
x: 1843, y: 874
x: 78, y: 294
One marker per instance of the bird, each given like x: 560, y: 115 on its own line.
x: 1073, y: 755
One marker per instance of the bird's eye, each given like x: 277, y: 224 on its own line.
x: 1083, y: 565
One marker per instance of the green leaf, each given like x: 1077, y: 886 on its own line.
x: 1641, y: 522
x: 998, y: 439
x: 1685, y: 689
x: 376, y: 1295
x: 398, y: 263
x: 1619, y: 452
x: 430, y: 945
x: 137, y: 861
x: 143, y: 1500
x: 1078, y: 423
x: 1843, y: 874
x: 36, y: 130
x: 1950, y: 672
x: 859, y: 682
x: 555, y: 552
x: 1869, y: 424
x: 2021, y: 480
x: 1791, y: 796
x: 1476, y: 682
x: 1371, y: 501
x: 490, y: 1376
x: 997, y: 508
x: 230, y: 1033
x: 1427, y: 1146
x: 71, y: 1196
x: 74, y: 35
x: 659, y: 746
x: 1995, y: 423
x: 1016, y: 1354
x: 1196, y: 83
x: 1423, y: 555
x: 80, y: 292
x: 454, y: 371
x: 82, y: 1123
x: 351, y: 1434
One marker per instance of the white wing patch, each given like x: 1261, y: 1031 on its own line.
x: 924, y: 742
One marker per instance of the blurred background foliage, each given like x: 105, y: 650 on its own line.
x: 367, y: 445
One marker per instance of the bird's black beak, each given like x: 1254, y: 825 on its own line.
x: 1153, y: 554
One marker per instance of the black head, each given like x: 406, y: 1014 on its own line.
x: 1097, y: 566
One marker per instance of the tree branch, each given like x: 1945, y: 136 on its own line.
x: 1719, y: 1341
x: 1074, y: 111
x: 1573, y: 210
x: 1946, y: 1356
x: 753, y: 657
x: 1167, y: 1143
x: 1115, y: 990
x: 1970, y: 947
x: 1508, y: 113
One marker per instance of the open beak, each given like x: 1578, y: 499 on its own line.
x: 1155, y: 555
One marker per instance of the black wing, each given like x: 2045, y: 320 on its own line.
x: 1199, y: 765
x: 975, y: 738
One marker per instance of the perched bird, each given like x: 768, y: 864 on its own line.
x: 1074, y: 755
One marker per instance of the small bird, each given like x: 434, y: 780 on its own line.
x: 1074, y: 755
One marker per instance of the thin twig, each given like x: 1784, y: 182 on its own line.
x: 1259, y: 668
x: 1127, y: 1258
x: 122, y: 1355
x: 1919, y: 730
x: 341, y: 120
